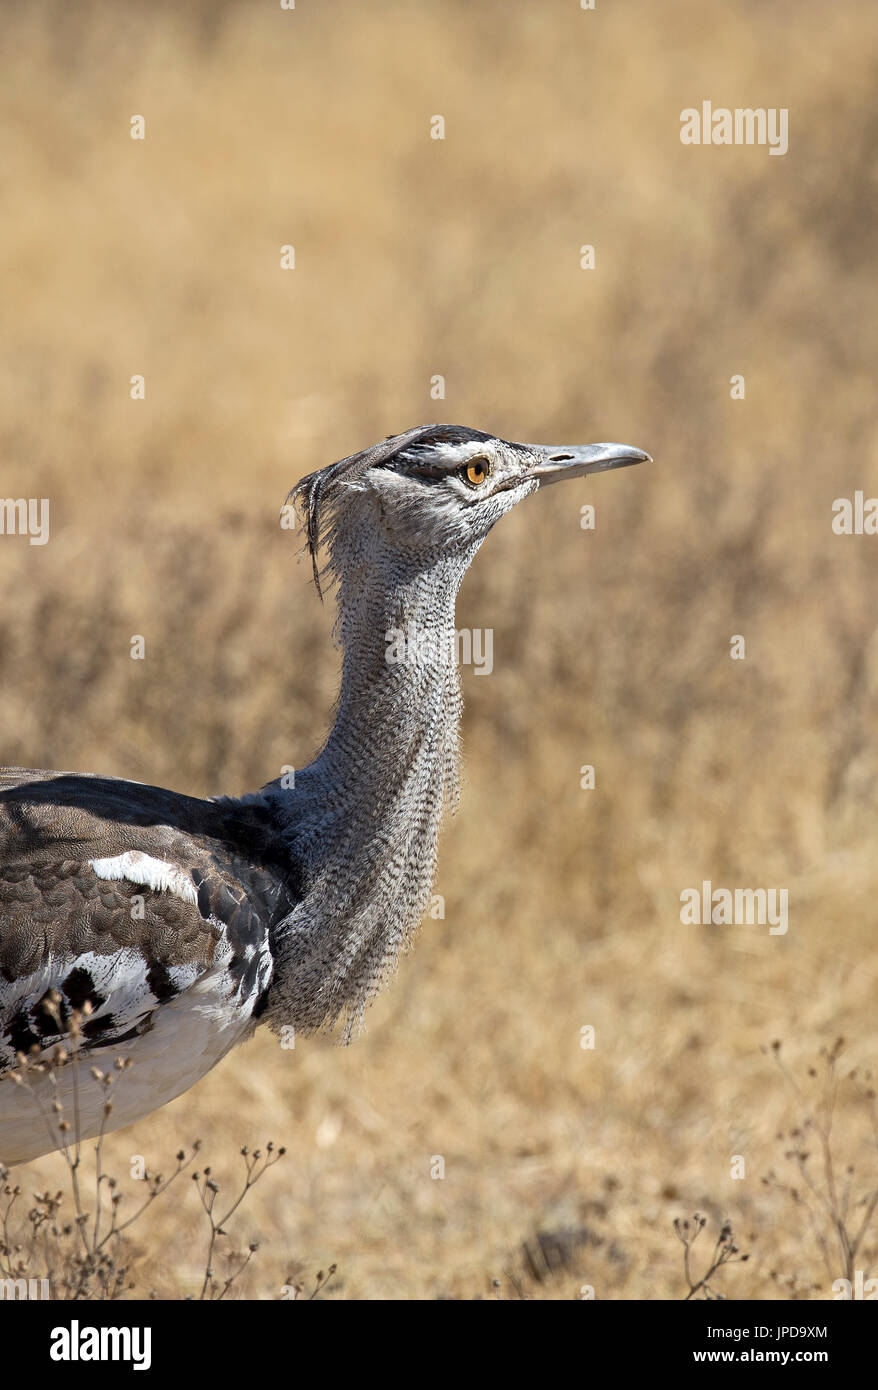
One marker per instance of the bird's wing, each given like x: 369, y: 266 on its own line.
x: 121, y: 897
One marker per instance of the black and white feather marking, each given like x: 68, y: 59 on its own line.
x: 155, y: 910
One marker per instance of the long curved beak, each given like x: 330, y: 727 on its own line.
x: 575, y: 460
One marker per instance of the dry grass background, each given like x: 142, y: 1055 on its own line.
x: 461, y: 257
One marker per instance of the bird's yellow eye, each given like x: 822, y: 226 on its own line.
x: 476, y: 471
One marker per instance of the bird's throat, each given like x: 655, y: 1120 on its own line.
x: 368, y: 809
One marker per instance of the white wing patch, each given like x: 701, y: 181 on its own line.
x: 137, y: 867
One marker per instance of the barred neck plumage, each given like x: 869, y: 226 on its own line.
x: 363, y: 820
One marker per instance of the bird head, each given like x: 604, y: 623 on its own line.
x: 438, y: 488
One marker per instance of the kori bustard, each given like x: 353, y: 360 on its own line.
x: 143, y: 924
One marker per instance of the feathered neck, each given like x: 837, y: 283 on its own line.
x: 363, y: 820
